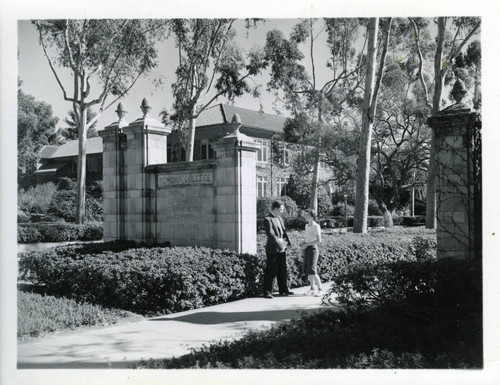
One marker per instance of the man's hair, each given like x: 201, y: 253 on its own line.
x: 276, y: 204
x: 311, y: 212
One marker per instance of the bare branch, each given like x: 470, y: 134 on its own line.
x: 453, y: 55
x: 312, y: 56
x: 381, y: 69
x: 53, y: 70
x: 421, y: 62
x: 68, y: 48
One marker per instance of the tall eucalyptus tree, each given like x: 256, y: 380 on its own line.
x: 104, y: 58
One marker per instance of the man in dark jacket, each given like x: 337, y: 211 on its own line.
x: 277, y: 243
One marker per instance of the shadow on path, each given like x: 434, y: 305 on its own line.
x: 212, y: 318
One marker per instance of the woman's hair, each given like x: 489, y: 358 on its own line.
x: 311, y: 212
x: 276, y: 204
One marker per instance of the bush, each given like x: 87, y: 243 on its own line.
x: 148, y: 281
x: 36, y: 199
x: 297, y: 223
x: 64, y: 201
x: 338, y: 251
x: 413, y: 221
x: 375, y: 221
x: 373, y: 208
x: 162, y: 280
x: 428, y: 316
x: 59, y: 232
x: 324, y: 203
x: 22, y: 216
x: 338, y: 210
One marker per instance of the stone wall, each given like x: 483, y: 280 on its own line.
x: 184, y: 200
x: 205, y: 203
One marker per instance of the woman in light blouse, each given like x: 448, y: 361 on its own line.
x: 312, y: 237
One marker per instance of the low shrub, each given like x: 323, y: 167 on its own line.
x: 411, y: 327
x: 36, y: 199
x: 163, y: 280
x: 375, y: 221
x: 338, y: 251
x: 22, y: 216
x: 413, y: 221
x: 338, y: 210
x: 59, y: 232
x: 38, y: 315
x: 335, y: 222
x: 295, y: 223
x: 148, y: 281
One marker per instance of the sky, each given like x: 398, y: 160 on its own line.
x: 39, y: 81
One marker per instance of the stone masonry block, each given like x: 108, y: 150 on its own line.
x: 226, y: 190
x: 110, y: 194
x: 459, y: 217
x: 224, y: 205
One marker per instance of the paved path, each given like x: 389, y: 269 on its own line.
x: 162, y: 337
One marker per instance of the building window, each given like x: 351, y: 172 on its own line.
x: 261, y: 187
x: 285, y: 156
x: 178, y: 153
x: 91, y: 164
x: 207, y: 151
x: 262, y: 151
x: 281, y: 186
x: 169, y: 153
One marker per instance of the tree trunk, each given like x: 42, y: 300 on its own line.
x: 476, y: 90
x: 191, y: 135
x: 82, y: 167
x: 387, y: 214
x: 314, y: 186
x: 363, y: 172
x: 430, y: 208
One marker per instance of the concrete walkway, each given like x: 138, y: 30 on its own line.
x: 162, y: 337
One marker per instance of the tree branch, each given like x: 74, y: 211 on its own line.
x: 53, y: 70
x: 421, y: 62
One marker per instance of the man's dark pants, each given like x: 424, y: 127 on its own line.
x: 275, y: 267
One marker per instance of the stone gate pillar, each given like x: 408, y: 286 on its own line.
x: 236, y: 191
x: 114, y: 142
x: 453, y: 127
x: 128, y: 149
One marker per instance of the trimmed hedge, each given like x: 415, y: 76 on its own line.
x: 338, y: 251
x: 148, y: 281
x: 159, y: 280
x: 59, y: 232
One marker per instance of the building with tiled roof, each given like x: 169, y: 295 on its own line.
x: 212, y: 124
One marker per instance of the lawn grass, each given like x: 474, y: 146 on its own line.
x: 39, y: 315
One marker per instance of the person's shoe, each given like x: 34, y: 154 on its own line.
x: 268, y: 295
x: 319, y: 293
x: 310, y: 292
x: 285, y: 293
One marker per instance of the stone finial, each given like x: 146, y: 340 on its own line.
x: 145, y: 107
x: 236, y: 123
x: 121, y: 111
x: 459, y: 90
x: 458, y: 93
